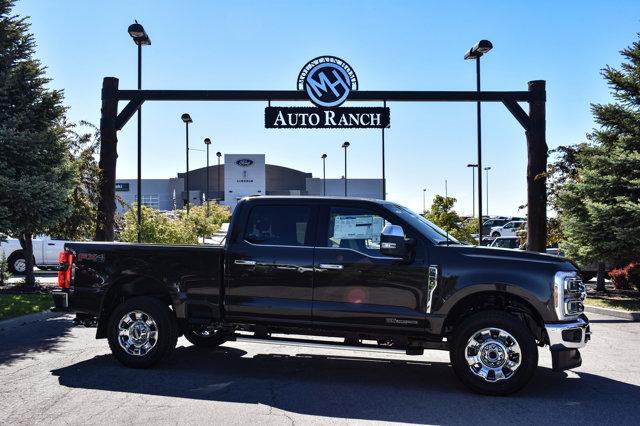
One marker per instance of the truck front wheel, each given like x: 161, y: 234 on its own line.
x: 204, y: 337
x: 142, y: 331
x: 493, y: 353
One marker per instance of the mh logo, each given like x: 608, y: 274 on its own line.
x: 328, y: 81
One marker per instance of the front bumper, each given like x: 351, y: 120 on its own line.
x: 564, y: 341
x: 568, y: 335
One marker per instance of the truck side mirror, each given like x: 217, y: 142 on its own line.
x: 392, y: 242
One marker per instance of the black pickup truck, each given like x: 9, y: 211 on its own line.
x: 349, y: 273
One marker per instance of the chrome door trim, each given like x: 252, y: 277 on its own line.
x: 331, y: 266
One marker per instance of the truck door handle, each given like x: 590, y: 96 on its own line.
x: 245, y: 262
x: 330, y: 266
x: 51, y: 244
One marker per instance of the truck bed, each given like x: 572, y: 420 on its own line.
x: 189, y: 276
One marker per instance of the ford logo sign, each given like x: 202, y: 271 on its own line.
x: 244, y: 162
x: 328, y: 81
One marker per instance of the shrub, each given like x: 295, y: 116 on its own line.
x: 633, y: 274
x: 173, y: 227
x: 4, y: 269
x: 619, y: 278
x: 626, y: 277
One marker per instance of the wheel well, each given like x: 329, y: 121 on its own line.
x: 127, y: 288
x: 486, y: 301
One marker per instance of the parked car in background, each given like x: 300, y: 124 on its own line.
x: 517, y: 218
x: 45, y: 253
x: 491, y: 223
x: 509, y: 229
x: 506, y: 242
x: 486, y: 241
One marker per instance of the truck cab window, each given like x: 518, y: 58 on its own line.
x: 279, y: 225
x: 356, y: 229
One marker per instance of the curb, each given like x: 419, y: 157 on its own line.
x: 631, y: 316
x: 28, y: 319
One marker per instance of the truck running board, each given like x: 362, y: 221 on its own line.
x: 334, y: 344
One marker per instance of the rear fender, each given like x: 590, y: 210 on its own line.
x: 126, y: 288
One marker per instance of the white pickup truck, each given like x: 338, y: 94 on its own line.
x: 45, y: 252
x: 509, y: 229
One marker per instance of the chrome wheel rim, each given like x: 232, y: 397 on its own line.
x: 20, y: 265
x: 493, y: 354
x: 137, y: 333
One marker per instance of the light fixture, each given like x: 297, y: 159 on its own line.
x: 481, y: 47
x: 138, y: 34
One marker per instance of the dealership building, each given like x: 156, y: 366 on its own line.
x: 240, y: 175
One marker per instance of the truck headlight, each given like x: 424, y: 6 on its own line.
x: 569, y: 293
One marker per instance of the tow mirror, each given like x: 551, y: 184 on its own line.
x: 392, y: 241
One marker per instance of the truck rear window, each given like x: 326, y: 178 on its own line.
x: 279, y: 225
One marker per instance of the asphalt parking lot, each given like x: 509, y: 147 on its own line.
x: 55, y: 373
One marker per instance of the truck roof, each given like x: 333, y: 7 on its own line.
x: 310, y: 198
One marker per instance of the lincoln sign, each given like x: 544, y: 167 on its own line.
x: 328, y: 81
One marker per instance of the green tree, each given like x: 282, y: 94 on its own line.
x: 442, y: 214
x: 81, y: 223
x: 157, y: 227
x: 600, y: 203
x: 206, y: 223
x: 36, y: 174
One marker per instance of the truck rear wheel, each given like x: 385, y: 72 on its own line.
x: 493, y: 353
x: 142, y: 331
x: 204, y: 337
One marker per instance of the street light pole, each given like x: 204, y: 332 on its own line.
x: 384, y: 176
x: 476, y: 52
x: 487, y: 171
x: 219, y: 154
x: 345, y: 146
x: 424, y: 200
x: 140, y: 38
x: 473, y: 188
x: 324, y: 175
x: 186, y: 118
x: 207, y: 142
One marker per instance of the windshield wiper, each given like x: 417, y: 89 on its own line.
x: 447, y: 242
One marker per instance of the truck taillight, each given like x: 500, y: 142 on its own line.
x: 66, y: 265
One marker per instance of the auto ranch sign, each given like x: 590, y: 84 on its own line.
x: 328, y: 81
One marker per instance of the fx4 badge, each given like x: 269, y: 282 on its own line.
x: 91, y: 257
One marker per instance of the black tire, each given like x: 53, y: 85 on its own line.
x: 200, y: 336
x: 166, y: 328
x: 15, y: 257
x: 495, y: 234
x: 512, y: 325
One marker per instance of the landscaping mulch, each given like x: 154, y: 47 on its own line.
x: 626, y: 300
x: 22, y: 288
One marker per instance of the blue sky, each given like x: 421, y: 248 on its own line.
x: 392, y: 45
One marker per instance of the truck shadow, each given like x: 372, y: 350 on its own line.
x: 361, y: 388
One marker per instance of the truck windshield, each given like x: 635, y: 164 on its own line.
x: 428, y: 229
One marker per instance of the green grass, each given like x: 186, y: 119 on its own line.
x: 13, y: 305
x: 631, y: 305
